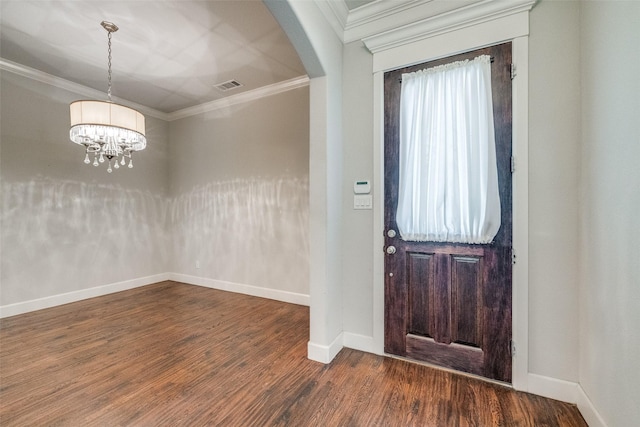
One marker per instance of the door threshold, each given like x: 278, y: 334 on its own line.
x: 453, y: 371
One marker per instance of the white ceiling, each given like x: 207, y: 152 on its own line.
x: 167, y: 54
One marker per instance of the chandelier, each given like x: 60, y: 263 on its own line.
x: 109, y: 132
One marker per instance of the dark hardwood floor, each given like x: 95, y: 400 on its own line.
x: 173, y: 354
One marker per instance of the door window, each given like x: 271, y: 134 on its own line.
x: 448, y: 180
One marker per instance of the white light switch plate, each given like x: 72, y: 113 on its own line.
x: 363, y: 201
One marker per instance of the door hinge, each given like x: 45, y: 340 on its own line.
x: 512, y: 348
x: 514, y: 72
x: 513, y: 256
x: 513, y: 164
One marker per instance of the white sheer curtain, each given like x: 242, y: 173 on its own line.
x: 448, y: 189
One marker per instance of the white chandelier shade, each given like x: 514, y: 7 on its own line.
x: 94, y: 122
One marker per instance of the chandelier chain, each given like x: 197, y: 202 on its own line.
x: 109, y: 64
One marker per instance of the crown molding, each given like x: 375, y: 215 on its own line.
x: 240, y: 98
x: 251, y: 95
x: 476, y: 13
x: 366, y: 19
x: 40, y: 76
x: 336, y: 13
x: 380, y: 21
x: 345, y: 23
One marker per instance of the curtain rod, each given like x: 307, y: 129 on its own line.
x: 491, y: 59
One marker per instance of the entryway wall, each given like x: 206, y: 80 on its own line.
x: 546, y: 355
x: 582, y: 268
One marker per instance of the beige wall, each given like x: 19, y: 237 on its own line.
x: 610, y: 203
x: 228, y: 189
x: 554, y: 132
x: 239, y: 189
x: 357, y: 239
x: 67, y: 226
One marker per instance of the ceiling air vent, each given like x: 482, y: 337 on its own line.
x: 228, y: 85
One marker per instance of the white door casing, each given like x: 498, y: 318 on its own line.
x: 513, y: 28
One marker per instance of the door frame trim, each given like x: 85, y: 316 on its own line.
x: 514, y: 28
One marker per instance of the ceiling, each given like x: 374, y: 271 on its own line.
x: 167, y: 54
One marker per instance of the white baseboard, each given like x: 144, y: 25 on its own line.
x: 566, y: 391
x: 359, y: 342
x: 274, y: 294
x: 588, y: 411
x: 324, y: 353
x: 553, y: 388
x: 55, y: 300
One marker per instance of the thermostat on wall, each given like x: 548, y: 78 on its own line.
x: 362, y: 187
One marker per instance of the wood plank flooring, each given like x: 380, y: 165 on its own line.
x: 171, y: 354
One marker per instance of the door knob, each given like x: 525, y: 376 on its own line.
x: 391, y: 250
x: 391, y: 233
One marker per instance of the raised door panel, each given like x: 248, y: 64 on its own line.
x: 466, y: 301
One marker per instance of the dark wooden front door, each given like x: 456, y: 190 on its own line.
x: 450, y: 304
